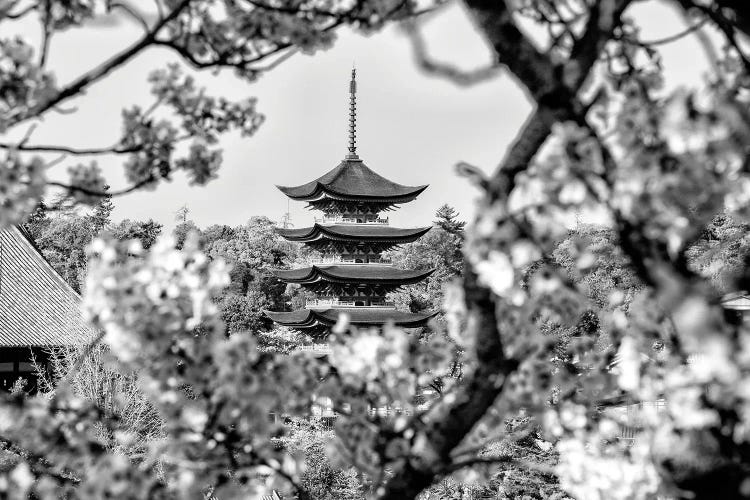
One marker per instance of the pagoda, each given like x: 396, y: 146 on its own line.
x: 350, y: 274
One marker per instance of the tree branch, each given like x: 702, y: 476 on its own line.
x: 555, y: 89
x: 39, y: 148
x: 104, y: 69
x: 532, y: 68
x: 452, y: 73
x: 135, y: 15
x: 91, y: 192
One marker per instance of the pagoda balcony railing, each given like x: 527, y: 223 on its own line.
x: 350, y: 220
x: 315, y: 348
x: 329, y: 303
x: 351, y: 261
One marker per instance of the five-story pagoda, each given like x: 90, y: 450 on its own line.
x: 351, y: 275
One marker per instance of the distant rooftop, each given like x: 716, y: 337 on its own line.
x: 37, y: 307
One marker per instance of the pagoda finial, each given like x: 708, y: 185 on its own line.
x: 353, y: 117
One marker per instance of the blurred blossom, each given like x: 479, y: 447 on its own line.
x: 496, y: 272
x: 87, y: 183
x: 145, y: 299
x: 628, y: 365
x: 22, y: 186
x: 592, y: 471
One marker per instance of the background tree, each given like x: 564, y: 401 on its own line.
x: 439, y: 249
x: 146, y: 232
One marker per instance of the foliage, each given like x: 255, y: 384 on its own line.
x: 63, y: 235
x: 320, y: 479
x: 146, y: 232
x: 251, y: 250
x: 439, y: 250
x: 555, y: 329
x: 90, y: 374
x: 62, y: 238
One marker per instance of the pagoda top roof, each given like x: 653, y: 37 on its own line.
x: 37, y: 307
x: 361, y: 317
x: 353, y: 274
x: 347, y: 232
x: 352, y: 180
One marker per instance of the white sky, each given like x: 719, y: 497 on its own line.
x: 412, y: 127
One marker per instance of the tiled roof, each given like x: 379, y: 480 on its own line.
x: 738, y: 301
x: 358, y: 232
x: 37, y: 307
x: 363, y: 316
x: 352, y: 274
x: 352, y: 179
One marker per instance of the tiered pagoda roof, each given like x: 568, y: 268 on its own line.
x: 351, y: 196
x: 353, y: 274
x: 352, y: 180
x: 322, y: 234
x: 362, y: 317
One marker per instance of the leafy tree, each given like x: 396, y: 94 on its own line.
x: 251, y: 250
x: 181, y: 232
x: 101, y: 215
x: 146, y: 232
x: 604, y: 137
x: 63, y: 240
x: 447, y: 219
x: 439, y: 249
x: 63, y: 237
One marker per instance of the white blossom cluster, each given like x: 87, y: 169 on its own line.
x: 87, y: 183
x: 139, y: 300
x: 22, y: 185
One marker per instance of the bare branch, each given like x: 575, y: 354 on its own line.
x: 91, y: 192
x: 671, y: 38
x: 132, y: 13
x: 69, y: 150
x: 46, y: 33
x: 6, y: 14
x: 104, y: 69
x: 449, y: 71
x: 513, y: 49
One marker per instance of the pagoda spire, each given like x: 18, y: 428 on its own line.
x: 353, y: 117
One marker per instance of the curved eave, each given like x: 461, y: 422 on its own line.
x: 301, y: 318
x: 320, y: 192
x: 352, y: 180
x: 352, y: 274
x: 378, y: 317
x: 385, y: 234
x: 308, y: 318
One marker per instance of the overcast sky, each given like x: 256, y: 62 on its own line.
x: 412, y: 127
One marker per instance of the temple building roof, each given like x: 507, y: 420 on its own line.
x: 352, y: 180
x: 37, y: 307
x: 343, y: 232
x: 362, y: 317
x: 353, y: 274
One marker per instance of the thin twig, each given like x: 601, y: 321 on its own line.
x: 672, y: 38
x: 46, y: 32
x: 133, y: 14
x: 92, y: 192
x: 104, y: 69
